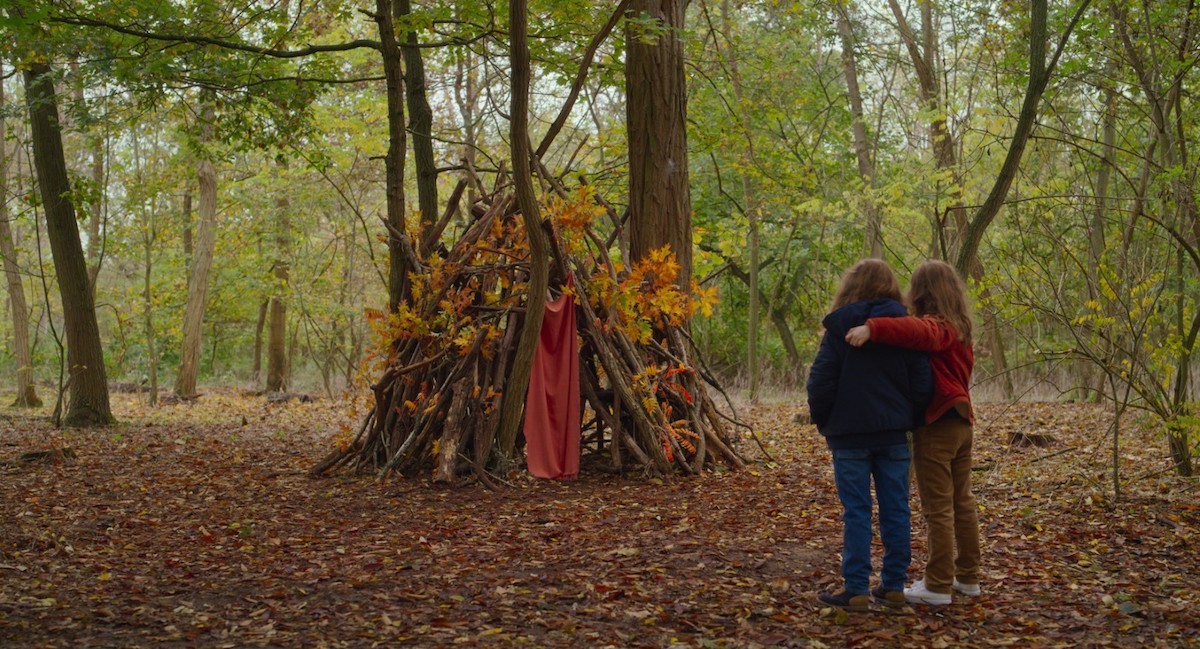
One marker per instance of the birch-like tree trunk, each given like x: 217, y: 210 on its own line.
x: 277, y: 357
x: 201, y: 267
x: 26, y: 392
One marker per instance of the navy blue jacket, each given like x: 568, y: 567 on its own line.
x: 862, y: 397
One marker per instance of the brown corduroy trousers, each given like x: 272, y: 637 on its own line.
x: 942, y: 463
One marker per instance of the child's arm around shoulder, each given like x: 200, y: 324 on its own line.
x: 925, y: 334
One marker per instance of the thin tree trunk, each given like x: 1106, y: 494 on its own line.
x: 466, y: 97
x: 148, y: 297
x: 749, y: 200
x: 202, y: 262
x: 89, y: 403
x: 95, y: 222
x: 187, y: 227
x: 1103, y: 174
x: 862, y: 147
x: 420, y: 117
x: 945, y: 145
x: 26, y: 392
x: 259, y: 327
x: 149, y: 236
x: 277, y: 358
x: 1039, y: 77
x: 345, y: 303
x: 517, y: 383
x: 1099, y: 220
x: 93, y: 210
x: 394, y: 161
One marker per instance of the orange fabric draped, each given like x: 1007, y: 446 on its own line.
x: 552, y: 415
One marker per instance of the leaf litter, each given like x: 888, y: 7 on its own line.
x: 195, y: 525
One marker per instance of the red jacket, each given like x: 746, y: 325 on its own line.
x: 950, y: 359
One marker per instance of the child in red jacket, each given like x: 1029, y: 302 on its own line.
x: 941, y: 325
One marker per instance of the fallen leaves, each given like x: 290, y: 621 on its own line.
x: 184, y: 526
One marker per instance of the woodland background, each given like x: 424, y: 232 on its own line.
x: 212, y: 208
x: 816, y: 134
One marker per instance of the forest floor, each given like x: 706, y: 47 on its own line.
x: 194, y: 525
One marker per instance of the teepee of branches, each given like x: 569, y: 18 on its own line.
x: 648, y: 400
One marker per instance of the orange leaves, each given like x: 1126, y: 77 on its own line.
x: 648, y: 297
x: 653, y: 384
x: 572, y: 217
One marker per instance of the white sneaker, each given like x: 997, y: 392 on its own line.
x: 966, y: 589
x: 918, y: 594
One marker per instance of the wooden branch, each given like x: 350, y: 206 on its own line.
x: 406, y: 247
x: 196, y: 39
x: 577, y: 85
x: 618, y: 376
x: 452, y: 432
x: 435, y: 233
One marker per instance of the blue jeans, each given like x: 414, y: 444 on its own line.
x: 853, y: 469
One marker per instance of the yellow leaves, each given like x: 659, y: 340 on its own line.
x: 649, y: 296
x: 706, y: 298
x: 465, y: 340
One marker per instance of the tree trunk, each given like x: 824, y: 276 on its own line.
x: 187, y: 227
x: 1039, y: 77
x: 345, y: 303
x: 517, y: 383
x: 96, y: 218
x: 259, y: 327
x: 943, y: 142
x: 660, y: 207
x: 277, y: 358
x: 749, y: 201
x: 1097, y: 226
x: 420, y: 124
x: 862, y: 147
x: 26, y: 393
x: 149, y: 237
x: 89, y: 403
x: 466, y: 97
x: 202, y: 262
x: 394, y: 161
x: 277, y: 346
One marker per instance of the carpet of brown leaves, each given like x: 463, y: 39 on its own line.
x: 194, y: 525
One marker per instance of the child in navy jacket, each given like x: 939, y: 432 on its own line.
x: 864, y: 402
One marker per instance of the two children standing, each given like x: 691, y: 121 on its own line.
x: 865, y: 398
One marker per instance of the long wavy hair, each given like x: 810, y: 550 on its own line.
x: 935, y: 289
x: 869, y: 279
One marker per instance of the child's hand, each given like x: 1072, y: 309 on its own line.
x: 858, y: 336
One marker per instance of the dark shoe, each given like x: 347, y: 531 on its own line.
x: 889, y: 598
x: 846, y: 601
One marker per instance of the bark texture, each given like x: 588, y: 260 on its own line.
x: 88, y: 404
